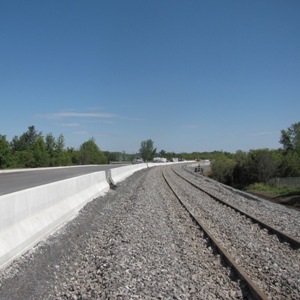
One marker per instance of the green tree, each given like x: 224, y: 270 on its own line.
x: 73, y: 156
x: 162, y: 153
x: 22, y: 159
x: 50, y: 142
x: 290, y: 138
x: 222, y: 169
x: 61, y: 159
x: 290, y: 165
x: 261, y: 165
x: 40, y: 154
x: 240, y: 172
x: 5, y: 152
x: 50, y: 147
x: 89, y: 153
x: 26, y: 140
x: 147, y: 150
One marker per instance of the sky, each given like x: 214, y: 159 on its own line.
x: 199, y: 75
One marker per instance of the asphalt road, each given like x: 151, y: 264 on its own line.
x: 20, y: 180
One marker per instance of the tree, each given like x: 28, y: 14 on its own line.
x: 5, y: 152
x: 290, y: 138
x: 240, y: 172
x: 147, y: 150
x: 26, y: 140
x: 40, y: 153
x: 90, y: 153
x: 50, y: 142
x: 265, y: 166
x: 222, y: 169
x: 60, y: 157
x: 50, y: 147
x: 73, y: 156
x: 290, y: 165
x: 260, y: 166
x: 162, y: 153
x: 60, y: 143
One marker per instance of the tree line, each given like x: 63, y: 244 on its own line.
x: 259, y: 166
x: 33, y: 150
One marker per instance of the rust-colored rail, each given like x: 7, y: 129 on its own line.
x: 253, y: 289
x: 284, y: 236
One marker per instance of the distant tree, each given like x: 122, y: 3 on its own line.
x: 222, y: 169
x: 147, y: 150
x: 290, y: 138
x: 61, y: 159
x: 162, y: 153
x: 60, y: 143
x: 73, y: 156
x: 265, y: 166
x: 31, y: 136
x: 26, y: 140
x: 50, y: 142
x: 260, y: 166
x: 240, y: 172
x: 5, y: 152
x: 40, y: 154
x: 111, y: 156
x: 22, y: 159
x: 89, y: 153
x: 290, y: 165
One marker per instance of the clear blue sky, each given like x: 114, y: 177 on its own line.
x: 190, y: 75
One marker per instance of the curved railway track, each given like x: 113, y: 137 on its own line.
x: 253, y: 289
x: 256, y: 286
x: 281, y: 235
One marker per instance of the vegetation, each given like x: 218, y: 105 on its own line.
x: 259, y: 166
x: 245, y: 170
x: 147, y: 150
x: 33, y: 150
x: 89, y: 153
x: 275, y: 191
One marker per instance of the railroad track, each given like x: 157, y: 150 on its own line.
x: 295, y: 243
x: 258, y: 291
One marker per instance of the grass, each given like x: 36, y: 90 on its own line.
x: 275, y: 191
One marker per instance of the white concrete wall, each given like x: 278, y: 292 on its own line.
x: 119, y: 174
x: 30, y: 215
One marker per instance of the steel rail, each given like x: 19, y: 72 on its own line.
x: 284, y: 236
x: 253, y: 289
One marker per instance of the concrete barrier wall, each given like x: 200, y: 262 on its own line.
x: 119, y: 174
x: 30, y: 215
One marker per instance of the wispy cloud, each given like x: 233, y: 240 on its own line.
x: 61, y: 115
x: 263, y: 133
x: 68, y: 124
x: 106, y: 121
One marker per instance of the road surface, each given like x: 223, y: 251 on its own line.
x: 19, y: 180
